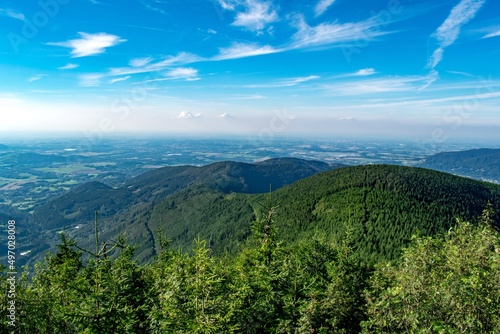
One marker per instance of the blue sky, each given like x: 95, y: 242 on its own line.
x: 262, y: 67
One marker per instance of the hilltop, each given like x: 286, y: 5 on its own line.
x: 74, y: 211
x: 381, y: 205
x: 481, y: 164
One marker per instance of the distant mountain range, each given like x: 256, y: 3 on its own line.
x: 481, y: 164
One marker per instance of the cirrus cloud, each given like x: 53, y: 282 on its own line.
x: 253, y: 15
x: 448, y: 32
x: 89, y: 44
x: 322, y: 6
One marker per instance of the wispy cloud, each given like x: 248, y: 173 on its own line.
x: 333, y: 33
x: 289, y: 82
x: 449, y: 31
x: 89, y: 44
x: 243, y: 50
x: 257, y: 16
x: 36, y: 77
x: 187, y: 115
x: 68, y: 66
x: 376, y: 86
x: 152, y: 7
x: 13, y: 14
x: 322, y: 6
x: 90, y: 80
x: 112, y: 81
x: 253, y: 15
x: 148, y: 65
x: 365, y: 72
x: 228, y: 4
x: 140, y: 62
x: 187, y: 73
x: 248, y: 97
x: 492, y: 34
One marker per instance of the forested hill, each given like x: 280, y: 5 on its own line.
x: 381, y: 205
x: 447, y: 283
x: 480, y: 164
x: 78, y: 205
x: 75, y: 210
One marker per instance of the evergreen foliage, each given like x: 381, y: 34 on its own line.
x: 280, y: 282
x: 441, y: 285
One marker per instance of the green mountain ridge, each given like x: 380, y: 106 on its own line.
x: 481, y: 164
x: 381, y: 205
x: 136, y: 196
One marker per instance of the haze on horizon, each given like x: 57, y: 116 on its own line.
x: 261, y: 67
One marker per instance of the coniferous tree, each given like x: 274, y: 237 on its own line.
x: 441, y: 285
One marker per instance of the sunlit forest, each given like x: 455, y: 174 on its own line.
x: 442, y: 284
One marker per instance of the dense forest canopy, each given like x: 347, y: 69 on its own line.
x: 366, y: 249
x: 442, y: 284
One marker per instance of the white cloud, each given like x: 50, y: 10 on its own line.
x: 36, y: 77
x: 182, y: 73
x: 68, y: 66
x: 430, y: 78
x: 365, y: 72
x: 448, y: 32
x: 322, y: 6
x: 90, y: 80
x: 12, y: 14
x: 225, y: 115
x: 436, y: 58
x: 248, y: 97
x: 152, y: 7
x: 257, y: 15
x: 333, y: 33
x: 290, y: 82
x: 242, y: 50
x: 376, y: 86
x: 492, y: 34
x: 227, y: 4
x: 89, y: 44
x: 140, y: 62
x: 187, y: 114
x: 112, y: 81
x: 180, y: 59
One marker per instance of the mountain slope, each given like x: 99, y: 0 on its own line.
x: 132, y: 203
x: 381, y: 205
x: 79, y: 205
x: 481, y: 164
